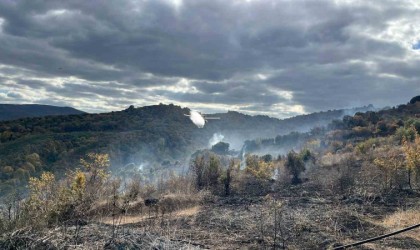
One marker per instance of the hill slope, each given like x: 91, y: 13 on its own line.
x: 17, y: 111
x: 152, y: 136
x: 235, y: 127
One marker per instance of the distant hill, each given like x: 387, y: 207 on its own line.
x: 350, y: 130
x: 237, y: 127
x: 18, y: 111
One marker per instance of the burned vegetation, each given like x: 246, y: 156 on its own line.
x: 357, y: 178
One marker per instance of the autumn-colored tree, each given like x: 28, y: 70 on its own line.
x: 53, y: 202
x: 78, y: 185
x: 97, y: 166
x: 390, y: 164
x: 259, y: 168
x: 42, y: 192
x: 412, y: 157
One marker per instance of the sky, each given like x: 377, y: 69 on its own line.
x: 277, y: 58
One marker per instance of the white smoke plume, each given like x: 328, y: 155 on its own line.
x: 142, y: 166
x: 216, y: 138
x: 243, y: 159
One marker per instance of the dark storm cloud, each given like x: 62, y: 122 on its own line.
x: 277, y: 57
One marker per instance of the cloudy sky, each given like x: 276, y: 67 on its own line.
x: 279, y: 58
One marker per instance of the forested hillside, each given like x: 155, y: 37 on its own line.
x: 236, y: 127
x: 55, y: 143
x: 347, y: 131
x: 153, y: 136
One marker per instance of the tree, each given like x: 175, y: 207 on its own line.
x: 197, y: 169
x: 415, y: 99
x: 97, y: 166
x: 390, y: 164
x: 295, y: 166
x: 267, y: 158
x: 206, y: 171
x: 227, y: 178
x: 305, y: 155
x: 259, y: 168
x: 220, y: 148
x: 78, y: 184
x: 41, y: 194
x: 213, y: 171
x: 34, y: 160
x: 412, y: 156
x: 7, y: 172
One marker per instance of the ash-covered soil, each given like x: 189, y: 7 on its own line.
x: 293, y: 219
x: 91, y: 236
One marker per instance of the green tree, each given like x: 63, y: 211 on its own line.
x: 213, y: 171
x: 220, y: 148
x: 295, y: 166
x: 197, y: 169
x: 305, y: 155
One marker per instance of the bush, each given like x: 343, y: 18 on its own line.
x: 206, y: 172
x: 391, y: 164
x: 220, y: 148
x: 415, y: 99
x: 51, y: 202
x: 366, y: 146
x: 295, y: 166
x: 412, y: 159
x: 259, y: 169
x: 405, y: 133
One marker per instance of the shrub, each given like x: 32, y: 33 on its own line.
x: 206, y: 172
x: 391, y: 164
x: 366, y: 146
x: 295, y: 166
x: 220, y: 148
x: 405, y: 133
x: 51, y: 202
x: 412, y: 158
x: 258, y: 168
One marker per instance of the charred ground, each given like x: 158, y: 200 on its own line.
x: 357, y: 178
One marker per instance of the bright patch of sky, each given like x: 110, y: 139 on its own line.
x: 1, y: 24
x: 416, y: 46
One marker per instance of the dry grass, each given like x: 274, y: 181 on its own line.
x: 401, y: 219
